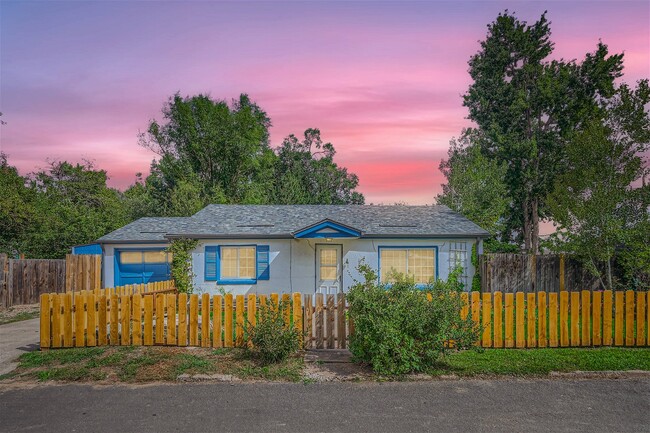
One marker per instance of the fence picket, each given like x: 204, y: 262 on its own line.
x: 297, y: 315
x: 585, y: 313
x: 227, y: 321
x: 509, y: 320
x: 160, y: 318
x: 319, y: 320
x: 79, y: 319
x: 629, y: 318
x: 91, y: 314
x: 148, y: 320
x: 57, y: 320
x: 619, y: 310
x: 597, y: 311
x: 171, y: 319
x: 308, y: 330
x: 136, y: 315
x: 531, y: 319
x: 67, y: 320
x: 607, y: 318
x: 564, y: 319
x: 520, y: 336
x: 239, y: 320
x: 194, y: 319
x: 541, y: 320
x: 45, y: 321
x: 205, y: 320
x: 125, y: 316
x: 102, y: 323
x: 575, y: 319
x: 330, y: 322
x: 552, y: 320
x: 217, y: 340
x: 182, y: 319
x: 476, y: 313
x: 340, y: 325
x: 640, y: 319
x: 486, y: 308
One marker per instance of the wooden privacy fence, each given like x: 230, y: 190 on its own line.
x: 533, y: 273
x: 83, y: 272
x: 22, y: 281
x: 565, y: 319
x: 171, y: 319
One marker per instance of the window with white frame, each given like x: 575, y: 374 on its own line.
x: 458, y: 257
x: 418, y: 263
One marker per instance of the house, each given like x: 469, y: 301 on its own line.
x: 303, y: 248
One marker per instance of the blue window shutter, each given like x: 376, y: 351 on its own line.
x: 263, y: 268
x: 211, y: 263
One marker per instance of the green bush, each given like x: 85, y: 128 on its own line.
x: 398, y: 330
x: 181, y: 266
x: 273, y: 341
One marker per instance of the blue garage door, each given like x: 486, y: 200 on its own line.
x: 142, y: 266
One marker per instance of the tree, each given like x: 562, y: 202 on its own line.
x: 73, y: 206
x: 210, y: 150
x: 306, y: 173
x: 17, y: 208
x: 527, y: 106
x: 601, y: 202
x: 475, y: 187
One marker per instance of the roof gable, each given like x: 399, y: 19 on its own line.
x: 327, y: 229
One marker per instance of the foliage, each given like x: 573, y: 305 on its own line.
x: 272, y: 340
x: 398, y: 330
x: 475, y: 184
x: 63, y: 205
x: 476, y: 279
x: 214, y: 152
x: 305, y: 173
x: 181, y: 266
x: 601, y: 203
x: 527, y: 106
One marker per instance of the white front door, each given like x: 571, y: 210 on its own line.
x: 329, y: 268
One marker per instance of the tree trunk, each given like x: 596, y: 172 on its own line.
x: 534, y: 235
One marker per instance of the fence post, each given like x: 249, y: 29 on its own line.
x: 45, y: 322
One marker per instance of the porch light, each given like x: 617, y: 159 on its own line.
x: 328, y: 239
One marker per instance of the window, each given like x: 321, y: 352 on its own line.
x: 237, y: 263
x: 419, y: 263
x: 458, y: 257
x: 328, y: 264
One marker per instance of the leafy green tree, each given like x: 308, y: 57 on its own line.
x: 306, y: 173
x: 17, y: 208
x: 601, y: 202
x: 73, y: 206
x: 475, y: 183
x: 209, y: 149
x: 527, y: 107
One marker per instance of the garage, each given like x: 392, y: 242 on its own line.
x: 141, y: 266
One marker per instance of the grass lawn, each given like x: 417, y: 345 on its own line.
x: 522, y: 362
x: 147, y: 364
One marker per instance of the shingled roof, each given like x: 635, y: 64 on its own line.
x: 282, y: 221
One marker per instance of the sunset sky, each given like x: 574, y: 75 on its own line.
x: 382, y: 80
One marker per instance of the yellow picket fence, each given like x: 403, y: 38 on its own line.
x: 157, y: 315
x: 172, y: 319
x: 564, y: 319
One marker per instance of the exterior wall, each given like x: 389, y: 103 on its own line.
x: 109, y: 259
x: 293, y: 262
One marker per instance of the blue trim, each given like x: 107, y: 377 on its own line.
x: 406, y: 247
x: 88, y: 249
x: 218, y: 279
x: 341, y: 231
x: 263, y: 267
x: 211, y: 249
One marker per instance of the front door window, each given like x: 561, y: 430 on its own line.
x: 328, y: 269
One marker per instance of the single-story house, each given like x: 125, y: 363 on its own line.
x: 302, y: 248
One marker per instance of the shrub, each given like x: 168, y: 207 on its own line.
x: 181, y: 266
x: 398, y: 330
x: 273, y: 341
